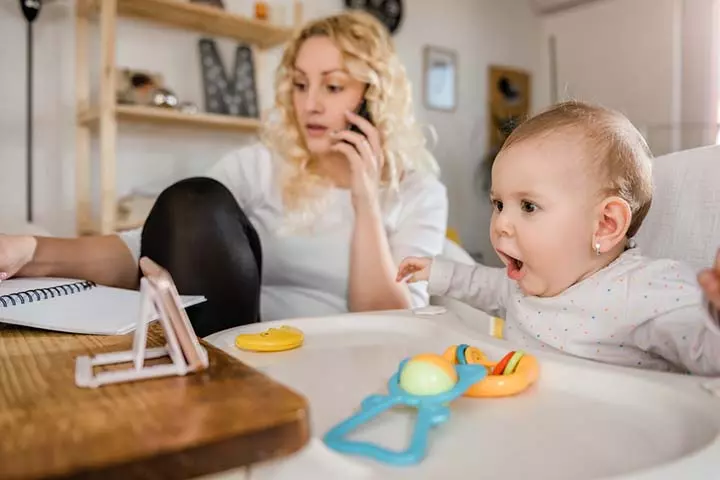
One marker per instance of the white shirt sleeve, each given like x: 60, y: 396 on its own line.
x: 421, y: 226
x: 246, y: 172
x: 678, y: 322
x: 482, y: 287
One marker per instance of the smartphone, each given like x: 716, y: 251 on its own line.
x: 364, y: 112
x: 164, y: 285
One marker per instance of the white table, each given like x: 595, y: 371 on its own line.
x: 581, y: 420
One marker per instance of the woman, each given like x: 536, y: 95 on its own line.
x: 321, y: 214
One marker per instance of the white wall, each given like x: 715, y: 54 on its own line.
x: 618, y: 53
x: 700, y: 39
x: 482, y: 32
x: 652, y: 59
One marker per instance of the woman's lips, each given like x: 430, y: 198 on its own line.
x: 315, y: 130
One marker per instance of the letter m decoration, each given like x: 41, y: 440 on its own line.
x: 236, y: 95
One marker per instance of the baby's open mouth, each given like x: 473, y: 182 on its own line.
x: 514, y: 266
x: 515, y: 262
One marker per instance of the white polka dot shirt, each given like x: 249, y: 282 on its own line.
x: 637, y: 311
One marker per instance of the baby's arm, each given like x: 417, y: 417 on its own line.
x: 482, y: 287
x: 681, y: 326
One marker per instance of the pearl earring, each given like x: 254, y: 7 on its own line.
x: 597, y: 248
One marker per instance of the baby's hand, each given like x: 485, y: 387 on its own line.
x: 417, y: 268
x: 710, y: 282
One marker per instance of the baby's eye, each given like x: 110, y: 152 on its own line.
x: 498, y: 205
x: 528, y: 207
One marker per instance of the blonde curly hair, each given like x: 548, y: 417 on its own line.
x: 370, y: 57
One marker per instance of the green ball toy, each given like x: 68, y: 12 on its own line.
x: 427, y: 375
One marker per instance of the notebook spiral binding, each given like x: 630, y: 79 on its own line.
x: 38, y: 294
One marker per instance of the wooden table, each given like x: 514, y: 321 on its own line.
x: 177, y: 427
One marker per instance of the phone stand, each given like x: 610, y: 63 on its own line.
x: 151, y: 305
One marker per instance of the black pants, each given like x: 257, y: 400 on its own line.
x: 199, y: 233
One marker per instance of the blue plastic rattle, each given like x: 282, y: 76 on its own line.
x: 427, y: 382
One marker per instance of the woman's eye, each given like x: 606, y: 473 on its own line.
x: 498, y: 205
x: 299, y: 86
x: 335, y: 88
x: 528, y: 207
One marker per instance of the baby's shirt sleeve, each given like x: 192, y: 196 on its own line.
x: 482, y: 287
x: 677, y: 322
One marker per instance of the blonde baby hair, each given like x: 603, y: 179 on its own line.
x: 616, y: 149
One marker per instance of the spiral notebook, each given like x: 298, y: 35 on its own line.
x: 73, y: 306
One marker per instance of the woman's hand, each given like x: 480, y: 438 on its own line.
x: 417, y: 269
x: 15, y: 252
x: 366, y: 159
x: 709, y: 280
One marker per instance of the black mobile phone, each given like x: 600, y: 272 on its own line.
x: 364, y: 112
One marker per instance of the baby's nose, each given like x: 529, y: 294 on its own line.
x: 502, y: 225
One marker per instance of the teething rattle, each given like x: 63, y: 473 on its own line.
x: 428, y: 382
x: 271, y: 340
x: 514, y: 373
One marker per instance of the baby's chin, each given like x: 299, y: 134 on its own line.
x: 538, y: 289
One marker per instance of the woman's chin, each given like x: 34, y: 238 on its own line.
x: 317, y: 146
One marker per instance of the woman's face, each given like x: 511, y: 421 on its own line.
x: 323, y: 91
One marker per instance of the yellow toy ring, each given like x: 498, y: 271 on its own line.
x: 524, y: 375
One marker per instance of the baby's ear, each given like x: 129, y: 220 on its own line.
x: 614, y: 220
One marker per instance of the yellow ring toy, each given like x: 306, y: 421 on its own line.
x: 523, y: 371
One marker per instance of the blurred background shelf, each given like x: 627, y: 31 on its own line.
x: 101, y: 116
x: 202, y: 18
x: 166, y: 116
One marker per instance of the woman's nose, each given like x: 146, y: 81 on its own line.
x: 313, y: 102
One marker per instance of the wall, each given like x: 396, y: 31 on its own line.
x: 700, y: 39
x: 618, y: 53
x: 652, y: 59
x: 482, y: 32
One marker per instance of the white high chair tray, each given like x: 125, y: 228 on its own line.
x: 581, y: 421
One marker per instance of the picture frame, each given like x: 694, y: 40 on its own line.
x: 440, y: 78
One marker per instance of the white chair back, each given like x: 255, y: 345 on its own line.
x: 684, y: 220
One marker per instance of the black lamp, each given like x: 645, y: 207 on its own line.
x: 30, y: 10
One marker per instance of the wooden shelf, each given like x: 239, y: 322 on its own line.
x: 129, y: 224
x: 102, y: 115
x: 204, y: 19
x: 158, y: 115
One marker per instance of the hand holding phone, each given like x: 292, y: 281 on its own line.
x: 362, y: 146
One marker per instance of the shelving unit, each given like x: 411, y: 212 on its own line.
x: 143, y: 114
x: 101, y: 117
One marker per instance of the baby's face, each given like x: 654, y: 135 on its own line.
x: 542, y: 223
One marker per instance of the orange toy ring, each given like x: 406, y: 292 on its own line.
x: 500, y: 385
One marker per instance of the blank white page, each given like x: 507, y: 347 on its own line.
x: 99, y: 310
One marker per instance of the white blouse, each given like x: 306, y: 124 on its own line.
x: 306, y: 274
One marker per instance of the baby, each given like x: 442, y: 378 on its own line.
x: 570, y: 188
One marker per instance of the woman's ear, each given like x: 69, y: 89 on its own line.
x: 614, y: 217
